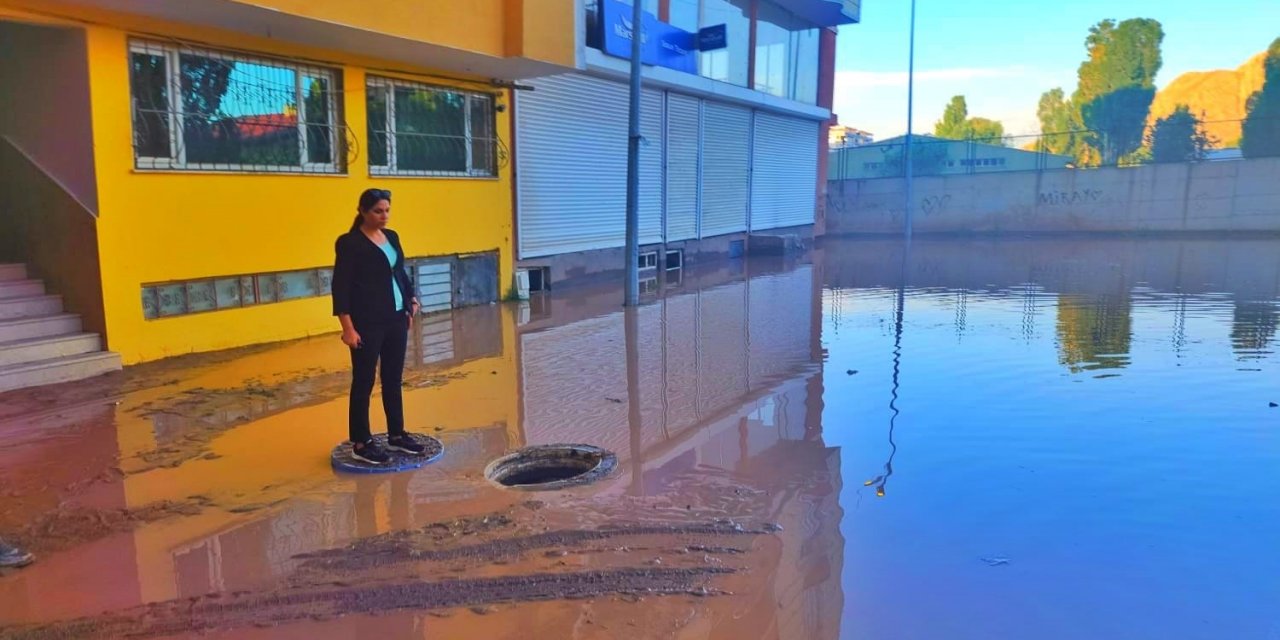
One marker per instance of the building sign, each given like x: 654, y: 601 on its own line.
x: 661, y: 44
x: 712, y: 38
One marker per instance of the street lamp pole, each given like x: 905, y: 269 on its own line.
x: 911, y: 85
x: 631, y: 289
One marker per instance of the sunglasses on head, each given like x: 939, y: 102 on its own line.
x: 381, y: 194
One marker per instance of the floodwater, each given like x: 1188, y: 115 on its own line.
x: 975, y: 439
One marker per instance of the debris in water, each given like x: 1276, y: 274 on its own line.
x: 772, y: 526
x: 1273, y: 405
x: 996, y: 562
x: 614, y: 400
x: 852, y: 372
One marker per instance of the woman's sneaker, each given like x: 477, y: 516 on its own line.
x: 370, y: 451
x: 405, y: 442
x: 13, y: 557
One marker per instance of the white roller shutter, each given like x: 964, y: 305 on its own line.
x: 572, y: 165
x: 784, y: 175
x: 683, y: 113
x: 652, y: 183
x: 726, y: 135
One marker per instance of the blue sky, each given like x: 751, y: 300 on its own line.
x: 1002, y: 54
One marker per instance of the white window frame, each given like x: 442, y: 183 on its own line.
x: 388, y: 87
x: 177, y: 159
x: 648, y: 260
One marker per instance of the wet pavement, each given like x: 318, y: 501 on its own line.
x: 1040, y: 438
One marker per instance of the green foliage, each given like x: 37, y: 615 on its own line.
x: 1260, y: 134
x: 986, y: 131
x: 952, y: 124
x: 1116, y: 84
x: 957, y: 125
x: 1178, y: 137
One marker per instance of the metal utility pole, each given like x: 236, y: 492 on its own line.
x: 911, y: 85
x: 632, y: 288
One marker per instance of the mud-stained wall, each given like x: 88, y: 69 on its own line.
x: 1238, y: 196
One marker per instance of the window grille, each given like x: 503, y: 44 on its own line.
x: 422, y: 130
x: 199, y: 109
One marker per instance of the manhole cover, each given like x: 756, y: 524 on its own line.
x: 551, y: 466
x: 342, y: 460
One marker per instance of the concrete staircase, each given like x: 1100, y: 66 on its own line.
x: 39, y: 343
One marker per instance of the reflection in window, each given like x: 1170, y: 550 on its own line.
x: 786, y: 55
x: 728, y: 64
x: 416, y: 129
x: 231, y: 112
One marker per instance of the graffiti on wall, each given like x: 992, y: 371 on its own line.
x: 1064, y: 198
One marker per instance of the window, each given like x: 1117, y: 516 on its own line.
x: 196, y: 109
x: 649, y: 260
x: 230, y: 292
x: 675, y: 259
x: 421, y: 130
x: 728, y: 64
x: 786, y: 55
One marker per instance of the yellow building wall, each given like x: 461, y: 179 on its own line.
x: 472, y: 25
x: 158, y: 226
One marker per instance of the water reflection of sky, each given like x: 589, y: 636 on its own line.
x: 1084, y: 445
x: 1081, y: 441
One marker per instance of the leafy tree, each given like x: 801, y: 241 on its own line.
x: 952, y: 124
x: 1061, y: 127
x: 1117, y: 84
x: 984, y: 130
x: 1178, y: 137
x: 957, y: 125
x: 1260, y: 135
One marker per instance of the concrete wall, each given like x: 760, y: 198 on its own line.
x: 1240, y: 196
x: 44, y: 103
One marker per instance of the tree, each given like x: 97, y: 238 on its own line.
x: 957, y: 125
x: 1117, y: 84
x: 1060, y: 124
x: 1178, y: 137
x: 984, y: 130
x: 1260, y: 135
x: 952, y: 124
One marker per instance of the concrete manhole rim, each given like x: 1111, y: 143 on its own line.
x: 606, y: 462
x: 340, y: 458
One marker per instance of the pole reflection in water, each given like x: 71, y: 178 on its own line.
x: 899, y: 304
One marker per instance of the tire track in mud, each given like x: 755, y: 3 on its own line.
x: 383, y: 551
x: 222, y: 612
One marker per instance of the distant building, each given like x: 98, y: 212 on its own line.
x: 1218, y: 155
x: 842, y: 136
x: 935, y: 156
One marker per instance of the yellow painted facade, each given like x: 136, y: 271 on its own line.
x: 159, y: 226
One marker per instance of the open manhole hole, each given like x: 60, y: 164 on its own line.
x: 551, y: 466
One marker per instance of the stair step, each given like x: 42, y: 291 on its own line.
x: 55, y: 370
x: 60, y: 324
x: 13, y: 271
x: 37, y: 349
x: 21, y: 288
x: 14, y: 308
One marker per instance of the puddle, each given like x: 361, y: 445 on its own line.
x: 823, y: 446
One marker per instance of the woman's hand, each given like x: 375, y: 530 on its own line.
x: 414, y: 308
x: 351, y: 338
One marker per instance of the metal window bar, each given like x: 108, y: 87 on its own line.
x: 477, y: 151
x: 216, y: 105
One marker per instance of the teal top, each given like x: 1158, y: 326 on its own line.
x: 390, y: 252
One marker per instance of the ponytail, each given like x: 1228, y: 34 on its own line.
x: 358, y: 221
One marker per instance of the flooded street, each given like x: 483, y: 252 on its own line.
x: 980, y: 439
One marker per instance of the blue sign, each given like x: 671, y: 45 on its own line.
x: 712, y: 38
x: 661, y: 44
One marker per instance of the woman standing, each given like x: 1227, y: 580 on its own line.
x: 374, y: 300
